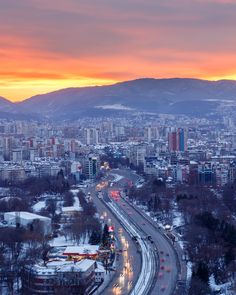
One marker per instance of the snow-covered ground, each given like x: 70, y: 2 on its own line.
x: 116, y: 106
x: 181, y: 244
x: 222, y: 288
x: 117, y: 177
x: 4, y: 191
x: 189, y: 271
x: 39, y: 206
x: 76, y: 199
x: 61, y: 241
x: 177, y: 219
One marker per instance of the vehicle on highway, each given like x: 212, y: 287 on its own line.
x: 99, y: 194
x: 163, y: 288
x: 160, y: 275
x: 167, y: 227
x: 134, y: 238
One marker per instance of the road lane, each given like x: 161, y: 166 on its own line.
x: 148, y: 272
x: 122, y: 281
x: 168, y: 273
x: 170, y: 264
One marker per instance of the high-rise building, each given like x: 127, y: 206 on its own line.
x: 148, y: 134
x: 91, y: 167
x: 177, y: 140
x: 151, y: 133
x: 91, y: 136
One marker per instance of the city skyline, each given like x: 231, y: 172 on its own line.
x: 50, y: 46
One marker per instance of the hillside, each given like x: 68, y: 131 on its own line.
x: 174, y: 96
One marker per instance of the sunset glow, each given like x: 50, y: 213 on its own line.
x: 48, y: 46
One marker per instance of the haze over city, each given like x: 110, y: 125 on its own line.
x: 49, y: 45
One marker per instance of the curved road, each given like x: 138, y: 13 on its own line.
x: 122, y: 281
x: 169, y: 264
x: 149, y: 265
x: 168, y: 269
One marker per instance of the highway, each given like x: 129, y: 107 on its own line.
x: 160, y: 268
x: 149, y: 262
x: 169, y: 264
x: 128, y: 265
x: 168, y: 270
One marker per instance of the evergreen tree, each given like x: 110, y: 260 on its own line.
x: 156, y: 203
x: 95, y: 238
x: 202, y: 272
x: 105, y: 236
x: 229, y: 256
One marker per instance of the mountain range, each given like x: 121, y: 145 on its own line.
x: 172, y: 96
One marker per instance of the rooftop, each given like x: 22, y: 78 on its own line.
x: 54, y: 267
x: 83, y: 249
x: 26, y: 215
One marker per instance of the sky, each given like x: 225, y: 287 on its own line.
x: 47, y: 45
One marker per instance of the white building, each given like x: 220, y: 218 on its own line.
x: 99, y: 273
x: 91, y: 136
x: 29, y: 220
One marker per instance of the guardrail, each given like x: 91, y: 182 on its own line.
x: 150, y: 221
x: 148, y: 269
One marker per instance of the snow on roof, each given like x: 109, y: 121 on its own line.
x: 82, y: 265
x: 100, y: 267
x: 54, y: 267
x: 26, y: 215
x: 83, y: 249
x: 71, y: 208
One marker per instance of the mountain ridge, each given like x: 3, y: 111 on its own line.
x: 167, y: 95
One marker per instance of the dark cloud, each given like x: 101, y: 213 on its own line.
x: 103, y: 27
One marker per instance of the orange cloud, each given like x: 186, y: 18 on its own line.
x: 48, y: 45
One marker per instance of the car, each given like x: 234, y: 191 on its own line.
x: 181, y: 284
x: 163, y: 288
x: 160, y: 275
